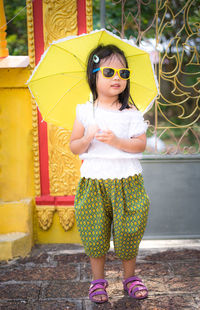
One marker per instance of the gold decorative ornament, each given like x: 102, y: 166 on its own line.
x: 31, y: 52
x: 89, y: 17
x: 66, y: 217
x: 30, y: 32
x: 64, y: 167
x: 45, y: 216
x: 60, y: 19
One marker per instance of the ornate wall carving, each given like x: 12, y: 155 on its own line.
x: 89, y: 18
x: 64, y: 167
x: 66, y: 217
x: 45, y: 216
x: 60, y: 19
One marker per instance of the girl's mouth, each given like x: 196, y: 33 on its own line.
x: 115, y: 85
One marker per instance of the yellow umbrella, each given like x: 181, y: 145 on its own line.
x: 58, y: 83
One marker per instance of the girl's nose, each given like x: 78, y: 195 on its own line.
x: 116, y: 76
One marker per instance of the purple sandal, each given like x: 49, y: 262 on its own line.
x: 139, y: 286
x: 95, y: 285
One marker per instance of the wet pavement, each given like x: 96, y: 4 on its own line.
x: 57, y: 277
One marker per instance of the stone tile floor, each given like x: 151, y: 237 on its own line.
x: 57, y: 277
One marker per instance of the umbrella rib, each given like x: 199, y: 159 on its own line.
x: 60, y: 99
x: 100, y: 37
x: 138, y: 55
x: 79, y: 60
x: 58, y: 73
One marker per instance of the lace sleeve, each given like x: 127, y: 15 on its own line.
x: 82, y: 114
x: 137, y: 126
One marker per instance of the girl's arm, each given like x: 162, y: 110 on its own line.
x: 79, y: 142
x: 132, y: 145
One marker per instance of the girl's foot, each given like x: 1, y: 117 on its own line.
x: 97, y: 291
x: 135, y: 288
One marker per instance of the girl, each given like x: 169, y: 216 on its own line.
x: 109, y: 134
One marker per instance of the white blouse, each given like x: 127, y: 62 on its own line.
x: 102, y: 161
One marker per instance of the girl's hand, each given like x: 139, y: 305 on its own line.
x: 107, y: 136
x: 80, y: 141
x: 92, y: 130
x: 132, y: 145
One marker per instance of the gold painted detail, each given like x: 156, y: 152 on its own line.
x: 66, y: 217
x: 89, y: 16
x: 45, y: 216
x: 35, y: 148
x: 30, y: 32
x: 64, y: 167
x: 60, y: 19
x: 31, y: 52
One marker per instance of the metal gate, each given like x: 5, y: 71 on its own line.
x: 170, y: 31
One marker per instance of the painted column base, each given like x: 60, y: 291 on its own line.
x: 15, y: 244
x: 16, y: 228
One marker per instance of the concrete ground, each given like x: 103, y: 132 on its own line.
x: 55, y: 277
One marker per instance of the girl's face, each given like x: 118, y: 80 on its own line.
x: 112, y: 87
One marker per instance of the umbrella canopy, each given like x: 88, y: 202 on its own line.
x: 58, y: 83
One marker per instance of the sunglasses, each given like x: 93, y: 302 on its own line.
x: 108, y: 72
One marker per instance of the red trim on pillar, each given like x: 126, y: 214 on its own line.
x: 45, y: 198
x: 64, y: 200
x: 81, y: 16
x: 38, y: 29
x: 42, y: 127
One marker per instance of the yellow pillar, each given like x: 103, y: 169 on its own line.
x: 3, y: 49
x: 16, y: 159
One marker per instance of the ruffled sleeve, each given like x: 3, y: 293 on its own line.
x: 137, y: 125
x: 83, y: 113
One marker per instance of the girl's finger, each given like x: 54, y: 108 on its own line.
x: 101, y: 138
x: 100, y: 135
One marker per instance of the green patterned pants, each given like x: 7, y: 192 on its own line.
x: 121, y: 202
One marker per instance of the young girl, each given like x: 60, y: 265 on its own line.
x: 109, y: 135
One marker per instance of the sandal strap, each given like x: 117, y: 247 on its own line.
x: 96, y: 287
x: 137, y: 289
x: 98, y: 293
x: 131, y: 279
x: 136, y: 283
x: 132, y: 289
x: 135, y: 286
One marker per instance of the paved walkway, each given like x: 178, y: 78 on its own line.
x: 57, y: 277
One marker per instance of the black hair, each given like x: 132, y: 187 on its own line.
x: 105, y: 51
